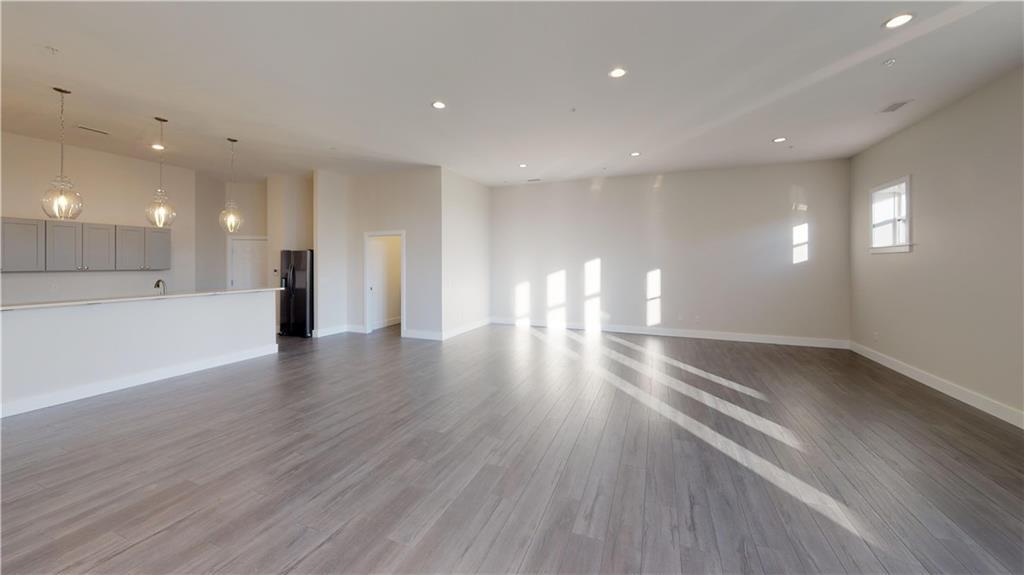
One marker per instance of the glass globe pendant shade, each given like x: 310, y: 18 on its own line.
x: 159, y: 212
x: 61, y: 201
x: 230, y: 217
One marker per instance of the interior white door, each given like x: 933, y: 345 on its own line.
x: 248, y: 263
x: 376, y: 259
x: 383, y: 281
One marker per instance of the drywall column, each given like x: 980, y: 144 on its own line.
x: 211, y: 256
x: 465, y: 232
x: 332, y: 210
x: 289, y: 218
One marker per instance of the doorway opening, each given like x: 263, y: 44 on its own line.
x: 384, y: 280
x: 247, y: 262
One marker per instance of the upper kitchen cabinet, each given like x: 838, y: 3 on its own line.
x: 23, y: 244
x: 98, y: 247
x: 131, y: 247
x: 158, y: 249
x: 63, y: 246
x: 141, y: 248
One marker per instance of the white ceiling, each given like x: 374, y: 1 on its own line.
x: 349, y: 86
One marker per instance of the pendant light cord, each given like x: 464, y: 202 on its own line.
x: 62, y: 135
x: 161, y: 156
x: 228, y: 187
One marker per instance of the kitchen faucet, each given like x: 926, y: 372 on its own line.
x: 160, y: 283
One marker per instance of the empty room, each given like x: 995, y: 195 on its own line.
x: 512, y: 287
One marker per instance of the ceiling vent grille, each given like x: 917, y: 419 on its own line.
x: 533, y: 180
x: 895, y: 106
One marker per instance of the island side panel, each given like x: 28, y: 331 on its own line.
x: 60, y: 354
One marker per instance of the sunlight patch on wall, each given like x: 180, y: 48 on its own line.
x: 654, y: 297
x: 592, y: 293
x: 522, y: 304
x: 556, y: 300
x: 801, y: 240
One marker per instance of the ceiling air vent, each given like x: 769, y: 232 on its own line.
x: 895, y: 106
x: 93, y: 130
x: 533, y: 180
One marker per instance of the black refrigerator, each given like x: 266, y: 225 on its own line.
x: 297, y: 295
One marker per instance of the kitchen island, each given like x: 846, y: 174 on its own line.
x: 55, y: 352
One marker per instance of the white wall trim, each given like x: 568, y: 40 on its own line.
x: 421, y: 334
x: 333, y: 330
x: 970, y: 397
x: 389, y: 322
x: 100, y: 387
x: 705, y: 334
x: 448, y: 334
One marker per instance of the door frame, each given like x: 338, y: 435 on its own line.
x: 366, y: 276
x: 230, y: 258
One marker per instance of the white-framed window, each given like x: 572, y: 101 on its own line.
x: 890, y: 217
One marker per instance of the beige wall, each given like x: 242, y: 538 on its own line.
x: 251, y: 198
x: 211, y: 240
x: 332, y: 201
x: 721, y: 238
x: 465, y: 221
x: 211, y: 253
x: 408, y: 200
x: 289, y: 217
x: 953, y: 306
x: 116, y: 190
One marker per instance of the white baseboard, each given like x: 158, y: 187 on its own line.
x: 705, y: 334
x: 333, y: 330
x: 448, y: 334
x: 143, y: 377
x: 972, y: 398
x: 422, y: 334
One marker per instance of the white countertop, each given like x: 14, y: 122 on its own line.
x: 172, y: 295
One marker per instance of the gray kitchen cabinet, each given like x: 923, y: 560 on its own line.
x: 23, y: 244
x: 98, y: 247
x: 158, y: 249
x: 63, y: 246
x: 131, y: 247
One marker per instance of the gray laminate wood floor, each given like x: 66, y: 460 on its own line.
x: 517, y: 450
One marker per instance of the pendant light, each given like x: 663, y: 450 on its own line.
x: 230, y: 217
x: 61, y: 201
x: 160, y: 213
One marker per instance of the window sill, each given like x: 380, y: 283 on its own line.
x: 892, y: 249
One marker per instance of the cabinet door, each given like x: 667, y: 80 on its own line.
x: 158, y: 249
x: 97, y: 247
x: 23, y: 244
x: 63, y: 246
x: 131, y: 247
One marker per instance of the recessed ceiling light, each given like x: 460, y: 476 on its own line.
x: 617, y: 72
x: 439, y: 105
x: 522, y: 165
x: 898, y: 20
x: 890, y: 62
x: 634, y: 154
x: 157, y: 146
x: 779, y: 140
